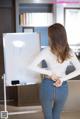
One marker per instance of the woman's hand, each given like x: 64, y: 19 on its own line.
x: 57, y: 80
x: 58, y: 83
x: 54, y: 77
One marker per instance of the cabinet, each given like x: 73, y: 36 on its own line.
x: 73, y: 100
x: 26, y: 95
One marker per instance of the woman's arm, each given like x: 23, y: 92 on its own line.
x: 75, y: 73
x: 35, y: 65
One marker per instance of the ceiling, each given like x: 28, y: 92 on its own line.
x: 51, y: 1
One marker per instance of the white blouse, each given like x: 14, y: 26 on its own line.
x: 54, y: 67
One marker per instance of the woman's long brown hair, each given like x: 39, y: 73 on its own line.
x: 58, y: 42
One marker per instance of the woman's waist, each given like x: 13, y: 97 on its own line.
x: 47, y: 78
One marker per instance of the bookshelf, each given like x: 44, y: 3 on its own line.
x: 35, y: 18
x: 35, y: 15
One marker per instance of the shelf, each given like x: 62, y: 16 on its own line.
x: 36, y: 19
x: 36, y: 7
x: 35, y: 15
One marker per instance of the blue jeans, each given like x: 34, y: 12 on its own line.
x: 52, y: 98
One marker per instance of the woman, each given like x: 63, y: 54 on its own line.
x: 54, y: 89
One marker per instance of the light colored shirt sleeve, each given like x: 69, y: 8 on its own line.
x: 35, y: 65
x: 75, y: 73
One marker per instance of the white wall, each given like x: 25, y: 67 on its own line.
x: 73, y: 100
x: 60, y: 11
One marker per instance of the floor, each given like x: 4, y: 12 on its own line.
x: 67, y: 115
x: 34, y: 112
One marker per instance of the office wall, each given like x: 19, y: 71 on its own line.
x: 7, y: 24
x: 59, y: 9
x: 73, y: 100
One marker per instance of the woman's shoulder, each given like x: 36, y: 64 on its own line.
x: 71, y: 52
x: 46, y: 49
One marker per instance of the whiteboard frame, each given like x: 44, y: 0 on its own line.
x: 5, y: 100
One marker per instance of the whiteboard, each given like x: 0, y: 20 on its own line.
x: 19, y: 51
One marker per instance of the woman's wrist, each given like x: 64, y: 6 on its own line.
x: 54, y: 77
